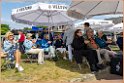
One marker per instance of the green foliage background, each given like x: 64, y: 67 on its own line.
x: 4, y: 28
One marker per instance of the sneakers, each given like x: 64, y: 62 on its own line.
x: 64, y: 58
x: 93, y: 68
x: 20, y: 68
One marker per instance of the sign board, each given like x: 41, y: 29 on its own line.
x: 42, y: 6
x: 25, y: 9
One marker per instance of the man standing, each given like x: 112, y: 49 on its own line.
x: 21, y: 39
x: 86, y: 27
x: 68, y: 39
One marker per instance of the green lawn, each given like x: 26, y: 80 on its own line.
x: 49, y: 72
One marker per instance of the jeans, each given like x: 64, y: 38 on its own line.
x: 51, y: 50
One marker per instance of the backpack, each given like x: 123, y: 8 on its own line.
x: 116, y: 65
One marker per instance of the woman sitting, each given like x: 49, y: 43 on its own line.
x: 12, y: 49
x: 60, y: 46
x: 80, y: 50
x: 46, y: 45
x: 30, y: 48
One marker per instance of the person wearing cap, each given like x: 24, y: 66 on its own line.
x: 30, y: 48
x: 120, y: 41
x: 10, y: 47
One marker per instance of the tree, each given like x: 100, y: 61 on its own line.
x: 41, y: 26
x: 26, y: 28
x: 4, y: 28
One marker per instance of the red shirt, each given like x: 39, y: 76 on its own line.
x: 93, y: 43
x: 22, y: 38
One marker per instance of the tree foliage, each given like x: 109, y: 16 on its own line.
x: 4, y: 28
x: 42, y: 26
x: 26, y: 28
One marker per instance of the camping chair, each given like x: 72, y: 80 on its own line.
x: 6, y: 64
x: 30, y: 57
x: 59, y: 54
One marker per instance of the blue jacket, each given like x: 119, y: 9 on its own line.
x: 101, y: 42
x: 43, y: 43
x: 7, y: 45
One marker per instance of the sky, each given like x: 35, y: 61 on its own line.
x: 8, y: 6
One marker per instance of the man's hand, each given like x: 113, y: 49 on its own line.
x: 34, y: 47
x: 86, y: 41
x: 49, y: 42
x: 109, y: 41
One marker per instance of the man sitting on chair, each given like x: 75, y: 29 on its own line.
x: 30, y: 48
x: 46, y: 45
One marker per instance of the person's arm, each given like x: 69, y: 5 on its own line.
x: 76, y: 45
x: 7, y: 45
x: 44, y: 43
x: 19, y: 36
x: 55, y: 43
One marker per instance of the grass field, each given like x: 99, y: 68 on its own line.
x: 50, y: 71
x: 61, y: 71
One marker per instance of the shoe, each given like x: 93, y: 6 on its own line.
x: 20, y: 68
x: 93, y: 72
x: 94, y: 68
x: 64, y: 58
x: 100, y: 66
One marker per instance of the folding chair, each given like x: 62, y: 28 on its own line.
x: 7, y: 64
x: 30, y: 57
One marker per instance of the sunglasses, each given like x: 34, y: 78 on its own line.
x: 11, y: 35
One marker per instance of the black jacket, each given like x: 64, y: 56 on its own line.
x: 58, y: 43
x: 78, y: 44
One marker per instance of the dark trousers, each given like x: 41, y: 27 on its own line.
x: 21, y: 47
x: 90, y: 55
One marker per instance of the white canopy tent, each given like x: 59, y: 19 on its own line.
x: 116, y: 28
x: 97, y: 24
x: 94, y: 8
x: 42, y: 14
